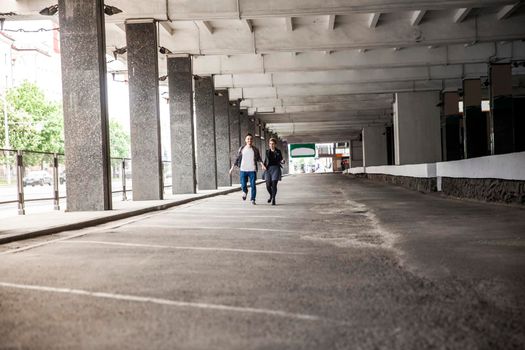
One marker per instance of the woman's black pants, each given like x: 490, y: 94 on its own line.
x: 271, y: 186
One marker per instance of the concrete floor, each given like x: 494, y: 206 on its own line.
x: 339, y: 263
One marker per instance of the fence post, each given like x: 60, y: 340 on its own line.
x: 55, y: 182
x: 123, y: 175
x: 20, y: 182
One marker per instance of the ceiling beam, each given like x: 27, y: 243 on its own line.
x: 344, y: 89
x: 288, y: 21
x: 120, y: 26
x: 333, y: 77
x: 461, y: 14
x: 349, y: 36
x: 249, y: 24
x: 206, y: 25
x: 331, y: 22
x: 166, y: 26
x: 383, y: 100
x: 508, y: 10
x: 373, y: 19
x: 417, y: 16
x: 352, y: 59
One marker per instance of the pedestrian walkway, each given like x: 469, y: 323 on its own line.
x: 338, y: 263
x: 50, y: 221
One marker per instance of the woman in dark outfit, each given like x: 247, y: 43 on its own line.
x: 272, y: 162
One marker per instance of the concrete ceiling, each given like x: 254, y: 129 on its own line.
x: 317, y: 70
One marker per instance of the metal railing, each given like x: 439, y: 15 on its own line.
x: 31, y: 176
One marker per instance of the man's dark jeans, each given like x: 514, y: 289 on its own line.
x: 252, y: 175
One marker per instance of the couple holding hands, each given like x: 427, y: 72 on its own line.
x: 248, y: 157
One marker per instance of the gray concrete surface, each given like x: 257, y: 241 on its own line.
x: 235, y: 137
x: 222, y: 137
x: 41, y: 219
x: 339, y: 263
x: 205, y: 125
x: 144, y: 110
x: 86, y: 129
x: 182, y: 129
x: 417, y: 135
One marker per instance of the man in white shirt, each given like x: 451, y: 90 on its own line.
x: 247, y: 159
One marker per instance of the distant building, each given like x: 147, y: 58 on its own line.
x: 34, y: 57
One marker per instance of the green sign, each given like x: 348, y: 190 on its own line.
x: 302, y: 150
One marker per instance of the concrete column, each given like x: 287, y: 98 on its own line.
x: 374, y: 146
x: 417, y: 134
x: 235, y: 137
x: 245, y: 124
x: 180, y: 80
x: 286, y: 157
x: 356, y: 154
x: 474, y: 121
x: 146, y: 158
x: 205, y: 120
x: 222, y: 137
x: 390, y: 145
x: 451, y: 127
x: 86, y: 127
x: 501, y: 109
x: 264, y: 139
x: 257, y: 142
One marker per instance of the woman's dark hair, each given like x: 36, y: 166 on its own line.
x: 272, y: 140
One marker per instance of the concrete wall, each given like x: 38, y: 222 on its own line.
x: 505, y: 166
x: 374, y: 146
x: 417, y: 129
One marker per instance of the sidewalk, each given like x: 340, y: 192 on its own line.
x: 33, y: 225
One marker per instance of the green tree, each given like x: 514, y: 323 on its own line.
x: 119, y: 140
x: 35, y: 124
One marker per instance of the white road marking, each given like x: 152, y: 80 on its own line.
x: 230, y: 216
x: 139, y: 245
x: 159, y: 301
x: 216, y: 228
x: 108, y: 226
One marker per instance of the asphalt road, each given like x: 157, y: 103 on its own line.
x: 339, y: 263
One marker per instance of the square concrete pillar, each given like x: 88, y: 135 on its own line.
x: 180, y: 81
x: 235, y: 137
x: 256, y: 132
x: 374, y: 146
x: 286, y: 157
x: 501, y: 109
x: 356, y: 154
x: 417, y: 127
x: 86, y: 126
x: 451, y: 127
x: 143, y: 75
x: 222, y: 137
x: 476, y: 138
x: 245, y: 125
x: 205, y: 124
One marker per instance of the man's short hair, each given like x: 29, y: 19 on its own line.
x: 272, y: 140
x: 248, y: 134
